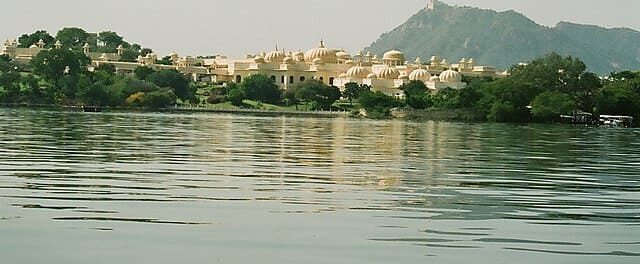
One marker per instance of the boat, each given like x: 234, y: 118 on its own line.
x: 615, y: 121
x: 91, y: 109
x: 578, y: 118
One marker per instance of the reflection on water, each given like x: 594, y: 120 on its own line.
x: 163, y: 188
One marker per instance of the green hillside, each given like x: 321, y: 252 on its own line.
x: 506, y: 38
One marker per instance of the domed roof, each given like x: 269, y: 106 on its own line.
x: 321, y: 52
x: 288, y: 60
x: 342, y: 55
x: 349, y: 62
x: 358, y: 72
x: 372, y: 76
x: 298, y: 56
x: 389, y: 73
x: 394, y: 55
x: 33, y: 46
x: 274, y: 56
x: 420, y: 75
x: 450, y: 76
x: 259, y: 59
x: 317, y: 61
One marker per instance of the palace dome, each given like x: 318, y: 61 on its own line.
x: 358, y: 72
x: 394, y: 55
x: 274, y: 56
x: 420, y: 75
x: 321, y: 52
x: 389, y: 73
x: 450, y: 76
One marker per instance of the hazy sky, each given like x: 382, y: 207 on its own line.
x: 237, y: 27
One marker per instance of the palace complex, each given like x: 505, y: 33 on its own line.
x: 331, y: 66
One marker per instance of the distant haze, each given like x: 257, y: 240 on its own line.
x: 237, y: 27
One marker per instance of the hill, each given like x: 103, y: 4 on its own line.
x: 506, y: 38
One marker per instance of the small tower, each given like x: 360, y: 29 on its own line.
x: 41, y: 44
x: 431, y: 5
x: 120, y: 49
x: 86, y: 48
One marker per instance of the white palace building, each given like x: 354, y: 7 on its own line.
x: 331, y: 66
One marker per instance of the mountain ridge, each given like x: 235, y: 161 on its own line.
x: 505, y: 38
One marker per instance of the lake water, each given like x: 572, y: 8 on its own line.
x: 212, y: 188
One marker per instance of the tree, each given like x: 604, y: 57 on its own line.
x: 72, y: 37
x: 289, y: 96
x: 129, y: 55
x: 174, y: 80
x: 417, y: 95
x: 145, y: 51
x: 261, y: 88
x: 26, y: 40
x: 236, y: 96
x: 447, y: 98
x: 353, y: 91
x: 158, y: 99
x: 319, y: 94
x: 378, y: 104
x: 56, y: 63
x: 9, y: 81
x: 503, y: 112
x: 108, y: 41
x: 166, y: 60
x: 549, y: 105
x: 107, y: 67
x: 620, y: 97
x: 143, y: 72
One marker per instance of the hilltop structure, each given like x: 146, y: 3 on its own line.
x: 431, y: 5
x: 331, y: 66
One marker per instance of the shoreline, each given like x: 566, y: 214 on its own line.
x: 258, y: 112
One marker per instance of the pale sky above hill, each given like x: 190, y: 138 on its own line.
x: 234, y: 28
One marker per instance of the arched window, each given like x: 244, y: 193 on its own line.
x: 302, y: 79
x: 291, y: 80
x: 331, y: 80
x: 321, y: 79
x: 282, y: 79
x: 238, y: 79
x: 273, y: 77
